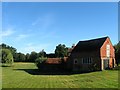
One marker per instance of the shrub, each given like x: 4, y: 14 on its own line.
x: 116, y: 68
x: 93, y: 67
x: 40, y: 62
x: 7, y: 57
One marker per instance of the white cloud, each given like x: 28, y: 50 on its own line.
x: 33, y: 47
x: 44, y: 21
x: 7, y: 32
x: 21, y: 36
x: 36, y: 22
x: 45, y: 26
x: 48, y: 35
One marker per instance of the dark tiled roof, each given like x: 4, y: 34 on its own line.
x: 55, y: 60
x: 89, y: 45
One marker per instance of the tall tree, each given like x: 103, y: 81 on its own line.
x: 20, y: 57
x: 117, y: 53
x: 33, y: 56
x: 61, y: 50
x: 42, y: 53
x: 27, y: 57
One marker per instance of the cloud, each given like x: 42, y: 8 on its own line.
x: 21, y: 36
x: 36, y: 22
x: 48, y: 35
x: 34, y: 47
x: 44, y: 21
x: 44, y: 25
x: 7, y: 32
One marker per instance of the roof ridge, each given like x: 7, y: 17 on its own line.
x: 89, y: 45
x: 94, y: 39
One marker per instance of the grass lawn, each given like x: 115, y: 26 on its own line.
x: 20, y: 76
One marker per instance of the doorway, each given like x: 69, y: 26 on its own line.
x: 106, y: 64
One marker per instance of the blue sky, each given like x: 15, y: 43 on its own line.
x: 35, y: 26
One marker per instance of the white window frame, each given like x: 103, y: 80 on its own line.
x: 108, y: 50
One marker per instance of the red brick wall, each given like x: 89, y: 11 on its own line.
x: 103, y: 49
x: 103, y: 53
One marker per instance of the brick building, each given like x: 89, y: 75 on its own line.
x: 92, y: 55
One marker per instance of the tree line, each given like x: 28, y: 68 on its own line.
x: 10, y: 53
x: 60, y: 51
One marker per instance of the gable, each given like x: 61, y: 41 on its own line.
x: 103, y: 49
x: 107, y: 42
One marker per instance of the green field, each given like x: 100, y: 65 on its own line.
x: 25, y: 75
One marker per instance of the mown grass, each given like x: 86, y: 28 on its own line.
x: 18, y: 76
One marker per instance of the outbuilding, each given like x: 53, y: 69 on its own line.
x: 92, y: 55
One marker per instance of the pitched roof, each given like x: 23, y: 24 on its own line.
x: 55, y: 60
x: 89, y: 45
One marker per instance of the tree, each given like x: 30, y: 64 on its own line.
x: 117, y: 53
x: 33, y: 56
x: 61, y: 50
x: 51, y: 55
x: 27, y: 57
x: 7, y: 57
x: 42, y: 53
x: 12, y: 49
x: 20, y: 57
x: 40, y: 62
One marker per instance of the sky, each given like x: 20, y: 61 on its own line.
x: 119, y: 22
x: 33, y: 26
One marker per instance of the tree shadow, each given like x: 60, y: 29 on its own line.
x: 38, y: 72
x: 59, y: 72
x: 5, y: 66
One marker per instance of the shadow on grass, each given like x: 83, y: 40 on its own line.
x: 5, y: 66
x: 38, y: 72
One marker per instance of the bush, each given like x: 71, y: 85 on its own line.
x: 93, y: 67
x: 7, y: 57
x: 116, y: 68
x: 40, y: 62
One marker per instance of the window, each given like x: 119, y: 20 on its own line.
x: 75, y: 61
x: 87, y: 60
x: 108, y: 50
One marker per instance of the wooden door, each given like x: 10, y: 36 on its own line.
x: 106, y: 64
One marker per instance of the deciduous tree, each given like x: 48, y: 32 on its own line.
x: 117, y: 53
x: 42, y: 53
x: 33, y: 56
x: 61, y: 50
x: 7, y: 57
